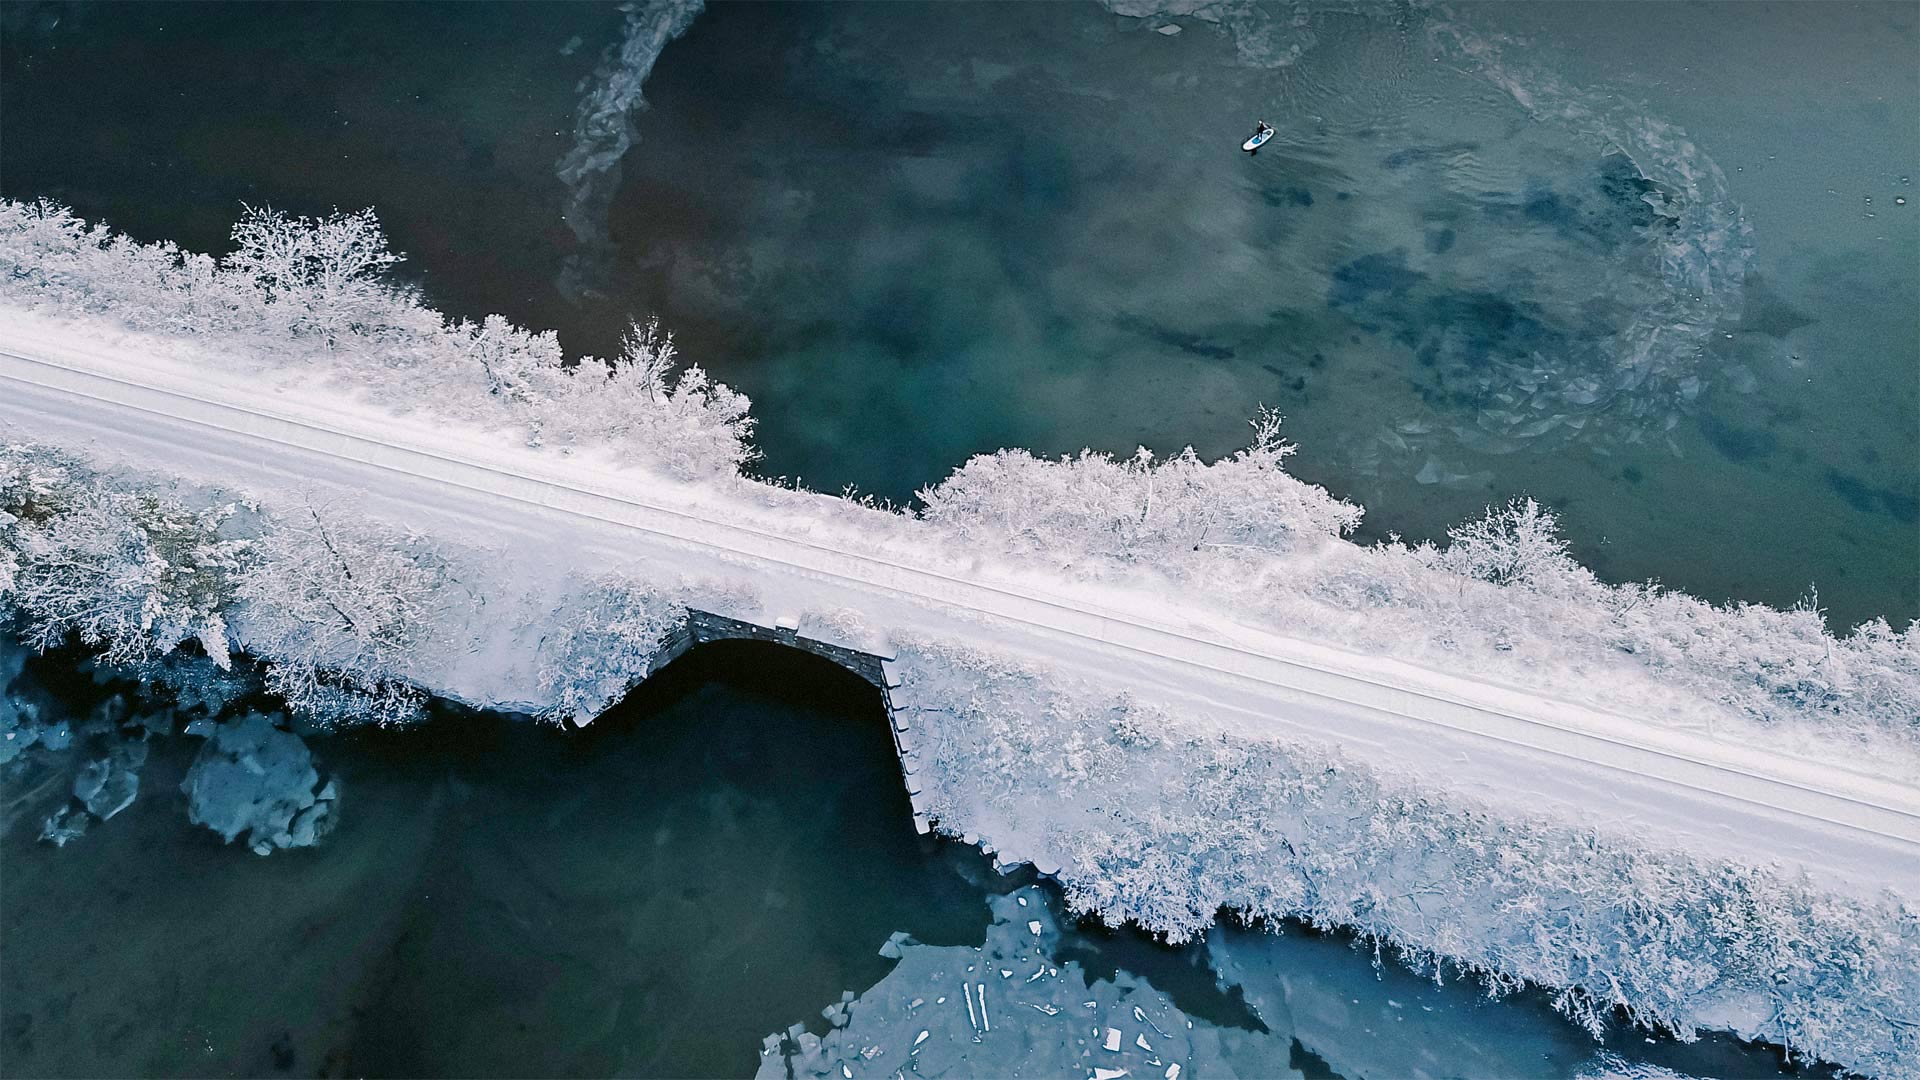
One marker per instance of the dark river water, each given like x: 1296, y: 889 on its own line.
x: 1660, y: 273
x: 714, y: 860
x: 916, y: 232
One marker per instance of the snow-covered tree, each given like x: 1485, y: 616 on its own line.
x: 47, y: 254
x: 130, y: 573
x: 601, y: 643
x: 688, y: 423
x: 1517, y: 544
x: 339, y: 605
x: 1137, y: 509
x: 519, y: 366
x: 313, y: 289
x: 319, y: 275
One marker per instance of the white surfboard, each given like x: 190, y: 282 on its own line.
x: 1257, y: 141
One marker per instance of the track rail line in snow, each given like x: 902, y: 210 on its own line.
x: 1817, y: 814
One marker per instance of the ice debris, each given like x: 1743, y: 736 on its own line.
x: 1034, y: 1026
x: 254, y: 778
x: 69, y: 823
x: 108, y: 786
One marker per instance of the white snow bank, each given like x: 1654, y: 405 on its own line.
x: 305, y: 295
x: 1159, y: 816
x: 1237, y: 536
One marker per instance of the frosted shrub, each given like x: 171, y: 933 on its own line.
x: 315, y: 290
x: 339, y: 604
x: 317, y: 276
x: 129, y: 573
x: 1168, y: 829
x: 1137, y: 509
x: 519, y: 366
x: 1518, y: 544
x: 645, y: 401
x: 49, y: 255
x: 51, y: 259
x: 602, y: 642
x: 1504, y: 593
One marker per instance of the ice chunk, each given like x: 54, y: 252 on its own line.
x: 254, y: 778
x: 1112, y: 1042
x: 88, y: 782
x: 1169, y: 30
x: 891, y: 947
x: 68, y: 824
x: 109, y: 785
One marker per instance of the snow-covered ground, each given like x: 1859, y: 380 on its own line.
x: 548, y: 516
x: 1695, y: 848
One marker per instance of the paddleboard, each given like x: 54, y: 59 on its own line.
x: 1257, y: 141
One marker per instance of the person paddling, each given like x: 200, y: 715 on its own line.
x: 1261, y: 134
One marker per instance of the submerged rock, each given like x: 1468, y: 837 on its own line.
x: 252, y: 777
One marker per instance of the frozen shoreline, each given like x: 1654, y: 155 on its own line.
x: 514, y: 510
x: 779, y: 565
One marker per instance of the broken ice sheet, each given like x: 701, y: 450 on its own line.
x: 1036, y: 1027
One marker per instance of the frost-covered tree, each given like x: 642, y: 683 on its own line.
x: 130, y: 573
x: 1137, y: 509
x: 601, y: 643
x: 314, y: 289
x: 687, y: 422
x: 339, y: 605
x: 1517, y: 544
x: 319, y: 275
x: 48, y: 257
x: 519, y: 366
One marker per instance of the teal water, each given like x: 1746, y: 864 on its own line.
x: 913, y: 233
x: 916, y: 232
x: 717, y: 858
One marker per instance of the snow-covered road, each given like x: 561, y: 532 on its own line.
x: 1494, y: 743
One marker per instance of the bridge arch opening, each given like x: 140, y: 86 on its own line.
x: 722, y: 851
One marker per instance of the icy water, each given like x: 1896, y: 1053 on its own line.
x: 722, y: 856
x: 1659, y: 272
